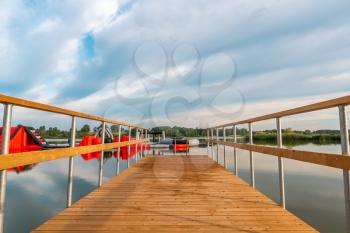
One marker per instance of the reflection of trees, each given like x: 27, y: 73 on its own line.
x: 97, y: 155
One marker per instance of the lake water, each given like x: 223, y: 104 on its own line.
x: 313, y: 193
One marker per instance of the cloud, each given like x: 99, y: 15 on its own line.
x: 128, y: 59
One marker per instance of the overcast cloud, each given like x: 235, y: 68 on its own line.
x: 192, y: 63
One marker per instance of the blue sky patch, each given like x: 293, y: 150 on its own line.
x: 88, y: 46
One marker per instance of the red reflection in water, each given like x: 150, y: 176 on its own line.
x: 124, y: 149
x: 92, y: 140
x: 88, y: 141
x: 23, y: 168
x: 24, y: 140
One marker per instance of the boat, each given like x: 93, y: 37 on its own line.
x: 180, y: 144
x: 163, y: 144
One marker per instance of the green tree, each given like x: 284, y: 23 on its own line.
x: 115, y: 129
x: 42, y: 131
x: 85, y: 129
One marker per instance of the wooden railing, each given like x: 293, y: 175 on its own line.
x: 18, y: 159
x: 341, y: 161
x: 345, y: 100
x: 26, y: 158
x: 47, y: 108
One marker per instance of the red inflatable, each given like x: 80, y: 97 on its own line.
x: 124, y: 149
x: 88, y: 141
x: 23, y: 139
x: 92, y: 140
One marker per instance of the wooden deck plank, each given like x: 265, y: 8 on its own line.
x: 175, y: 194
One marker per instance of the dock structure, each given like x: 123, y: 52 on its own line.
x: 175, y: 193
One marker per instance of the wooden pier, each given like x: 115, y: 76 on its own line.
x: 175, y: 194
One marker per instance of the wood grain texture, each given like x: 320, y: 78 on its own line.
x: 25, y: 158
x: 345, y: 100
x: 175, y: 194
x: 47, y: 108
x: 324, y: 159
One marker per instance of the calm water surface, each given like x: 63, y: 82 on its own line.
x: 313, y: 193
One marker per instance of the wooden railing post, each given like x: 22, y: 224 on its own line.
x: 71, y: 162
x: 100, y: 176
x: 224, y: 135
x: 235, y: 157
x: 344, y: 135
x: 5, y: 149
x: 252, y: 172
x: 280, y: 165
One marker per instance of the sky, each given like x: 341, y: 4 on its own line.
x: 186, y: 63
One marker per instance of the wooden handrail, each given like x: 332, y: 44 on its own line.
x: 26, y: 158
x: 325, y: 159
x: 47, y: 108
x: 345, y: 100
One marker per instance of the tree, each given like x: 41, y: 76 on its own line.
x: 115, y: 129
x: 42, y: 129
x: 85, y: 129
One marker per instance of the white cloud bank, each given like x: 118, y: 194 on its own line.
x: 285, y: 54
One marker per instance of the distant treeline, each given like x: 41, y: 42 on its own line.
x: 289, y: 136
x: 55, y: 133
x: 294, y: 138
x: 190, y: 132
x: 180, y: 131
x: 266, y: 136
x: 198, y: 132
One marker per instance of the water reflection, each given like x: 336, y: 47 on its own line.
x: 314, y: 193
x: 122, y: 154
x: 23, y: 168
